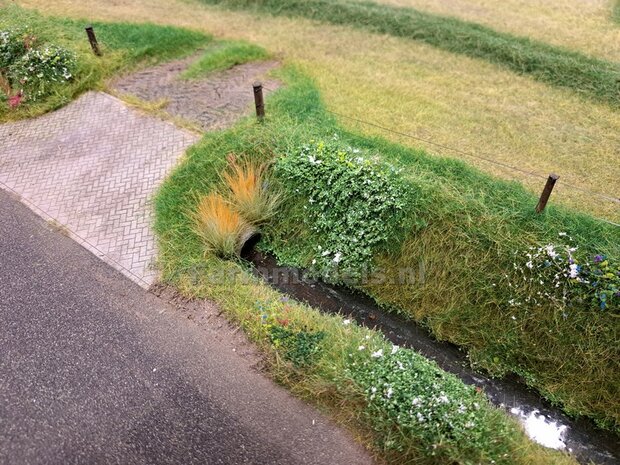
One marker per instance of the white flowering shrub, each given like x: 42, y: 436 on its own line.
x: 561, y: 275
x: 41, y: 68
x: 405, y: 389
x: 13, y: 44
x: 353, y: 205
x: 30, y: 70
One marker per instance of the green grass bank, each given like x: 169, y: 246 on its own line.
x: 348, y: 371
x: 593, y: 78
x: 467, y: 228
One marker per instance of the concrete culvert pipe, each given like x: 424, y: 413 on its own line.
x: 247, y: 242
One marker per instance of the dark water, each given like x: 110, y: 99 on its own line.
x: 581, y: 437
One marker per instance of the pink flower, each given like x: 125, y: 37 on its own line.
x: 15, y: 100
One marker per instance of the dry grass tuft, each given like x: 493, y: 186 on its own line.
x: 250, y: 191
x: 219, y: 225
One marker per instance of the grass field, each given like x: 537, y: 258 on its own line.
x: 417, y: 89
x: 584, y: 26
x: 589, y: 77
x: 124, y: 47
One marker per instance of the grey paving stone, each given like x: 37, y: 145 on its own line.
x: 93, y: 168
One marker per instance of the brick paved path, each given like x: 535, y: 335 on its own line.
x: 214, y: 102
x: 92, y: 168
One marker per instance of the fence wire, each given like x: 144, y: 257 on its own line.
x: 486, y: 158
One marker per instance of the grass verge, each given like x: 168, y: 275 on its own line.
x: 584, y: 27
x: 124, y: 46
x: 399, y: 404
x: 590, y: 77
x: 471, y: 226
x: 224, y: 55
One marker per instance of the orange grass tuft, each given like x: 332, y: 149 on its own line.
x: 249, y: 190
x: 220, y: 226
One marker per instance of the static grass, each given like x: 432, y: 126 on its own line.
x: 224, y: 55
x: 124, y: 46
x: 581, y: 26
x: 474, y: 224
x: 327, y: 382
x: 616, y: 12
x: 590, y: 77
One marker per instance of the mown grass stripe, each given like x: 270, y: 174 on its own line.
x: 591, y: 77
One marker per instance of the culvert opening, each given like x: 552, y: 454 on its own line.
x: 248, y: 244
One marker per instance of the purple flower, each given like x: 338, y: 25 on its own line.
x: 599, y: 258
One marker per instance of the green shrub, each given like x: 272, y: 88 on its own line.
x: 301, y: 347
x: 353, y: 205
x: 40, y: 69
x: 13, y: 44
x: 450, y: 419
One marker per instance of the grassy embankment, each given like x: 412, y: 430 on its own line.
x: 473, y: 225
x: 124, y: 47
x: 339, y: 374
x: 414, y: 88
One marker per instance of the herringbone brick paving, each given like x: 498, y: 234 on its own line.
x: 92, y: 168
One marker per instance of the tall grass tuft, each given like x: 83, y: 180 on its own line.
x: 219, y: 225
x: 250, y: 190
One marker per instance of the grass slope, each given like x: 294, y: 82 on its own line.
x: 590, y: 77
x: 474, y: 223
x: 224, y: 55
x: 295, y: 115
x: 581, y: 26
x: 124, y: 46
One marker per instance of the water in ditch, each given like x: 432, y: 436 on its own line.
x: 543, y: 423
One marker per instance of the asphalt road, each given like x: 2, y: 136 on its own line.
x: 94, y: 370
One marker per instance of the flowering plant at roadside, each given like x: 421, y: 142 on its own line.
x: 29, y: 70
x: 408, y: 390
x: 39, y: 69
x: 352, y: 204
x: 560, y: 274
x: 13, y: 44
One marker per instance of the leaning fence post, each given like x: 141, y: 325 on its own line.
x: 258, y: 100
x: 93, y: 40
x: 544, y: 197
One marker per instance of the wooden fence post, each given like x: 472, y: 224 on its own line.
x: 544, y: 197
x: 258, y: 101
x: 93, y: 40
